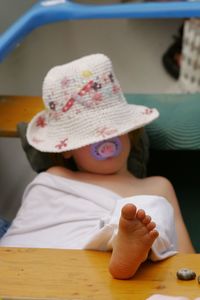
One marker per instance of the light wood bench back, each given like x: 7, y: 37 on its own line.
x: 16, y: 109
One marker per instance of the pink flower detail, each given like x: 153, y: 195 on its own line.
x: 105, y: 132
x: 105, y: 78
x: 36, y: 140
x: 97, y: 97
x: 78, y: 111
x: 61, y: 144
x: 41, y: 122
x: 54, y: 115
x: 116, y: 89
x: 64, y: 82
x: 148, y: 111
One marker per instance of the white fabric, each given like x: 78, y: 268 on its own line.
x: 165, y: 297
x: 61, y: 213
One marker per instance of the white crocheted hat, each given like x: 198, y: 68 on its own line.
x: 84, y: 105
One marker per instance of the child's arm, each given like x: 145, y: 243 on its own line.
x: 167, y: 190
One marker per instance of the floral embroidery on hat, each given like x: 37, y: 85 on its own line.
x: 86, y: 73
x: 116, y: 89
x: 96, y: 86
x: 54, y: 115
x: 41, y: 122
x: 62, y: 144
x: 90, y: 87
x: 64, y: 82
x: 105, y: 78
x: 111, y: 77
x: 84, y: 96
x: 105, y: 131
x: 68, y: 105
x: 97, y: 97
x: 78, y: 111
x: 52, y: 105
x: 86, y: 88
x: 148, y: 111
x: 36, y: 140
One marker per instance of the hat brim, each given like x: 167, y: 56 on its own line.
x: 61, y: 136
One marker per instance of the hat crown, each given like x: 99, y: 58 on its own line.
x: 86, y: 83
x: 84, y: 105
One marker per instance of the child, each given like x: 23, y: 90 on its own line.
x: 100, y: 205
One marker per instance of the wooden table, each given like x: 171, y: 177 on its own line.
x: 83, y: 275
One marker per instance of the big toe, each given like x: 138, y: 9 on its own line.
x: 129, y: 211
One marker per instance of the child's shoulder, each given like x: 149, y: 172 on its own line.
x: 158, y: 185
x: 157, y: 179
x: 60, y: 171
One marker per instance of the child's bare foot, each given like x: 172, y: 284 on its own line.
x: 134, y: 240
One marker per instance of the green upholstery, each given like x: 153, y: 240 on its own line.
x: 178, y: 127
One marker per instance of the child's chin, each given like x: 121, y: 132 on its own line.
x: 108, y: 171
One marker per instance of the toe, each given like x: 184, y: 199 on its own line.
x: 140, y: 214
x: 129, y: 211
x: 151, y: 226
x: 146, y: 220
x: 154, y: 234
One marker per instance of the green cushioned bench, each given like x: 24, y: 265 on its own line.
x: 175, y: 150
x: 178, y: 127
